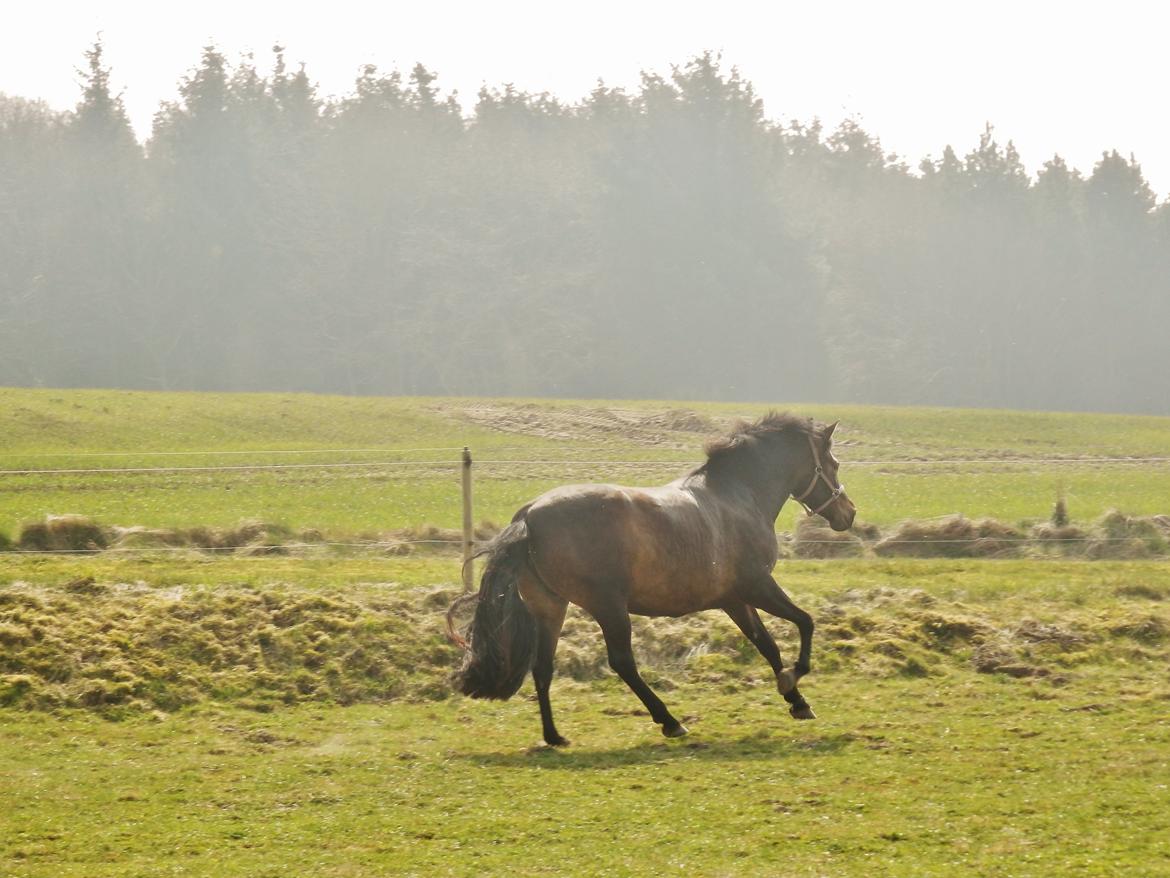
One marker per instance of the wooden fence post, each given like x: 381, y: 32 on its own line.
x: 468, y: 534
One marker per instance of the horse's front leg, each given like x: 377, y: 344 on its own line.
x: 748, y: 621
x: 764, y: 594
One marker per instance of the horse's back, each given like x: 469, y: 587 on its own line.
x: 656, y: 550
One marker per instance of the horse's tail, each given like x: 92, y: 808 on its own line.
x: 500, y: 643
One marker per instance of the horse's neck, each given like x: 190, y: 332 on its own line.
x: 773, y: 489
x: 771, y: 503
x: 767, y: 495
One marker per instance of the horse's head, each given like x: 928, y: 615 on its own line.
x: 823, y: 494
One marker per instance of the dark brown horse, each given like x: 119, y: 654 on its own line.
x: 705, y: 541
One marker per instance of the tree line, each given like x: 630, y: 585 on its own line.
x: 668, y: 241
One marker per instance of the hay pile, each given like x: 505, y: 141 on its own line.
x: 952, y: 537
x: 63, y: 533
x: 120, y: 648
x: 78, y: 533
x: 815, y: 539
x: 1114, y: 536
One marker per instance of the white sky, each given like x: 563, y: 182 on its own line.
x: 1054, y: 77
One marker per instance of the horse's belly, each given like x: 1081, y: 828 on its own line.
x: 675, y: 598
x: 673, y: 609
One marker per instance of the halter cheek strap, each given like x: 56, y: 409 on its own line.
x: 835, y: 491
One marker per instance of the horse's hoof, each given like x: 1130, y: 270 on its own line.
x: 786, y: 681
x: 675, y: 731
x: 558, y: 741
x: 802, y: 711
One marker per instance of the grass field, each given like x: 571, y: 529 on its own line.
x: 402, y: 458
x: 1056, y: 763
x: 189, y: 714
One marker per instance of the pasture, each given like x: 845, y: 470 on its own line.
x: 194, y: 714
x: 353, y: 466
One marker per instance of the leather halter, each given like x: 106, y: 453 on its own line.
x: 818, y: 476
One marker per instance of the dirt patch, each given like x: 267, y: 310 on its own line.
x: 667, y: 428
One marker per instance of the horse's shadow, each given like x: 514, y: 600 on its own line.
x: 750, y: 747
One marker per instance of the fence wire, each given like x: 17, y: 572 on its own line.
x: 643, y: 463
x: 452, y: 466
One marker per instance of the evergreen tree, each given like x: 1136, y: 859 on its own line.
x: 31, y: 198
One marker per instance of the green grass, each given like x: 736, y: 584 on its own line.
x: 193, y: 715
x: 910, y: 777
x: 904, y: 474
x: 917, y: 763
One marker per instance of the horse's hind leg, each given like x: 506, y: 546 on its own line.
x: 548, y: 633
x: 549, y: 612
x: 615, y: 625
x: 749, y: 622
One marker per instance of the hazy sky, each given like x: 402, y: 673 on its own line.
x: 1052, y: 76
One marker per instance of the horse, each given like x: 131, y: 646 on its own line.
x: 705, y: 541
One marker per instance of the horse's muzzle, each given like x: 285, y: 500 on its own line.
x: 841, y: 513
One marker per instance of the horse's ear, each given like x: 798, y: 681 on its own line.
x: 828, y: 434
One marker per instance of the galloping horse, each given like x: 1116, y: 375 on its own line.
x: 705, y: 541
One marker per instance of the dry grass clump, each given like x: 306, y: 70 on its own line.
x: 147, y: 538
x: 63, y: 533
x: 247, y: 536
x: 990, y: 656
x: 1114, y: 536
x: 123, y: 649
x: 119, y: 648
x: 815, y: 539
x: 429, y: 533
x: 1142, y: 590
x: 444, y: 537
x: 1149, y: 629
x: 704, y: 646
x: 71, y: 533
x: 1122, y: 536
x: 952, y: 537
x: 1063, y: 636
x: 1032, y: 648
x: 885, y: 631
x: 1066, y: 539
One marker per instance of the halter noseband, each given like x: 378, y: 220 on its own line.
x: 818, y: 476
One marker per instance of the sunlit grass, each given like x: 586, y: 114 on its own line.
x: 1052, y: 762
x: 887, y: 456
x: 917, y: 764
x: 968, y: 775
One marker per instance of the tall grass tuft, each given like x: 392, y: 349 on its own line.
x: 1060, y: 513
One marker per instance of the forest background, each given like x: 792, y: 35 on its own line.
x: 668, y: 242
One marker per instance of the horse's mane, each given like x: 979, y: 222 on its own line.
x: 727, y: 447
